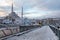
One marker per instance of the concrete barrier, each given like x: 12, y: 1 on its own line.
x: 14, y: 31
x: 1, y: 34
x: 18, y: 30
x: 8, y: 31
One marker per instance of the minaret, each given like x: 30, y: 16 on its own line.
x: 22, y: 16
x: 12, y: 8
x: 22, y: 13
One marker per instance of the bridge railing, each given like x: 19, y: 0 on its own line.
x: 9, y: 31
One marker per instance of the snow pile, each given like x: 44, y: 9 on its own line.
x: 44, y: 33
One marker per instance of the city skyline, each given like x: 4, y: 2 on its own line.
x: 32, y: 8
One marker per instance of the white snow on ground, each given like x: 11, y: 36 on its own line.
x: 44, y: 33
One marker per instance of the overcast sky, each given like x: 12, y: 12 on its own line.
x: 32, y: 8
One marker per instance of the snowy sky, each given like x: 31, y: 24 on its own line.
x: 32, y: 8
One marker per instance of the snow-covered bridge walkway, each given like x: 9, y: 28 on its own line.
x: 44, y: 33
